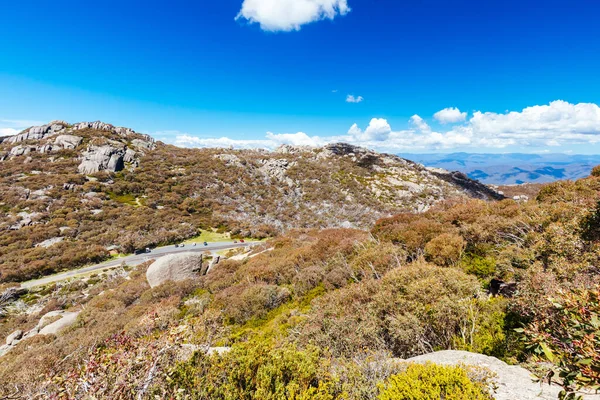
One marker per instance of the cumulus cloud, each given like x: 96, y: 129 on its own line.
x: 556, y: 124
x: 271, y: 141
x: 351, y: 99
x: 450, y: 115
x: 378, y: 130
x: 290, y: 15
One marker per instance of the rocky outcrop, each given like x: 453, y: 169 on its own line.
x: 38, y: 132
x: 67, y: 141
x: 50, y: 324
x: 277, y: 169
x: 513, y: 382
x: 97, y: 157
x: 472, y: 187
x: 174, y: 267
x: 229, y: 159
x: 102, y: 158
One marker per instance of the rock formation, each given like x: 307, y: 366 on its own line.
x: 174, y: 267
x: 102, y: 158
x: 58, y: 135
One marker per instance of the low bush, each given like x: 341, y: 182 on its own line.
x: 433, y: 382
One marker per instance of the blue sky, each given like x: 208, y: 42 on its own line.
x: 190, y: 73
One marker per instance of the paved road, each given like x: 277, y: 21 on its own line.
x: 135, y: 260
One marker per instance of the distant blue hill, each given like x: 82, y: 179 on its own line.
x: 511, y: 168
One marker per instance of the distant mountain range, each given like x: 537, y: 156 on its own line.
x: 511, y: 168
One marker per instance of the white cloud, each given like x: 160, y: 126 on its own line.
x: 351, y: 99
x: 378, y: 130
x: 295, y: 139
x: 290, y: 15
x: 557, y: 124
x: 272, y: 141
x: 8, y: 132
x: 419, y: 123
x: 450, y: 115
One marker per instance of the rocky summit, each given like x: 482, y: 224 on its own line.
x: 119, y: 147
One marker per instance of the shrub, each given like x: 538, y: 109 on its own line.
x: 571, y: 339
x: 596, y: 171
x: 481, y: 267
x: 445, y: 250
x: 254, y: 372
x: 590, y: 225
x: 433, y: 382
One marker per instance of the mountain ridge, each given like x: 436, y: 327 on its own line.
x: 106, y: 186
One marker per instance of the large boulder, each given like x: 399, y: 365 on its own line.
x: 102, y: 158
x: 513, y: 382
x: 174, y: 267
x: 68, y: 141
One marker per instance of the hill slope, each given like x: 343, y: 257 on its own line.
x: 69, y: 192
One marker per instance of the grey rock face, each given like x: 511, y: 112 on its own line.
x: 174, y: 267
x: 102, y: 158
x: 513, y: 382
x: 130, y: 157
x: 97, y: 125
x: 67, y: 141
x: 21, y: 150
x: 147, y: 144
x: 39, y: 132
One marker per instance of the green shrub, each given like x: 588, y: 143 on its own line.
x: 254, y: 372
x: 433, y: 382
x: 571, y: 339
x: 481, y: 267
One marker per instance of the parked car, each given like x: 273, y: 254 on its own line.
x: 142, y: 251
x: 235, y: 241
x: 241, y: 240
x: 182, y: 245
x: 176, y: 245
x: 205, y: 243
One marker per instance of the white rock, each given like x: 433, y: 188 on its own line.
x: 15, y: 336
x: 66, y: 319
x: 50, y: 242
x: 174, y: 267
x: 513, y: 382
x: 67, y: 141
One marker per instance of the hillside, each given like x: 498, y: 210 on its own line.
x: 70, y: 192
x: 332, y: 314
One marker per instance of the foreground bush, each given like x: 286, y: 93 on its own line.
x: 254, y: 372
x: 571, y: 338
x: 433, y: 382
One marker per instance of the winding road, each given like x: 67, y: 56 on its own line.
x: 134, y: 259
